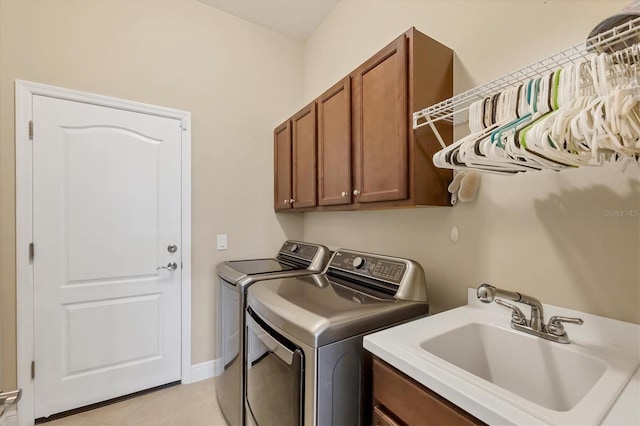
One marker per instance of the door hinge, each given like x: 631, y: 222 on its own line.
x: 33, y: 369
x: 31, y: 252
x: 31, y: 130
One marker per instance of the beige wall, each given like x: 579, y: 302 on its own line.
x: 541, y: 233
x: 239, y: 81
x: 546, y: 234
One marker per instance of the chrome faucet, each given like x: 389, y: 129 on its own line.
x: 553, y: 331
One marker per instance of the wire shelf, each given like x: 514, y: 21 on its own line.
x: 456, y: 109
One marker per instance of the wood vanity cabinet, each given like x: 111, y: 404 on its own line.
x: 295, y: 161
x: 368, y: 155
x: 400, y: 400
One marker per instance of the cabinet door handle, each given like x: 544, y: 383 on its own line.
x: 356, y: 192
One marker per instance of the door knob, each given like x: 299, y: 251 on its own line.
x: 356, y: 192
x: 172, y: 248
x: 172, y: 266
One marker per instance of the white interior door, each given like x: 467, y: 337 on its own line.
x: 106, y: 208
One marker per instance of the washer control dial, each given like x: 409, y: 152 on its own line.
x: 358, y: 262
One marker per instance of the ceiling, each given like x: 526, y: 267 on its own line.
x: 294, y: 18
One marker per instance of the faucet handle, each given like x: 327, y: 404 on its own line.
x: 517, y: 316
x: 555, y: 326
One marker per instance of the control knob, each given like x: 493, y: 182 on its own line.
x: 358, y: 262
x: 295, y: 248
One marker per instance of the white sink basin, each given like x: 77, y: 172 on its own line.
x: 549, y: 374
x: 472, y: 357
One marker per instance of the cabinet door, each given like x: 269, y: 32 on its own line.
x: 382, y: 418
x: 412, y: 403
x: 380, y: 121
x: 282, y: 166
x: 334, y: 145
x: 304, y: 157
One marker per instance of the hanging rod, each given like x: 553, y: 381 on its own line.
x: 456, y: 109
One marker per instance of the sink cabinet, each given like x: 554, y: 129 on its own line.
x: 368, y: 155
x: 400, y: 400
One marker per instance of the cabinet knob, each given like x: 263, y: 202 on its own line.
x: 286, y: 201
x: 344, y: 194
x: 292, y: 201
x: 356, y: 192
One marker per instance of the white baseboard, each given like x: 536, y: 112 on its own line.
x: 206, y: 370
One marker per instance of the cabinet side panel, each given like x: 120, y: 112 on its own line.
x: 334, y: 145
x: 282, y: 166
x: 431, y: 77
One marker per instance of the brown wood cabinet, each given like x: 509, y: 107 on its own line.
x: 334, y: 145
x: 282, y: 166
x: 294, y: 146
x: 368, y: 155
x: 304, y: 157
x: 400, y: 400
x: 380, y: 126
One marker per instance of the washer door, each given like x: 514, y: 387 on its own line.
x: 274, y: 375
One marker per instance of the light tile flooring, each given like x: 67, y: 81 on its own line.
x: 181, y: 405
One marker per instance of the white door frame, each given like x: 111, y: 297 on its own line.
x: 24, y: 92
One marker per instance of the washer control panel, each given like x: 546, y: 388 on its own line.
x: 381, y: 268
x: 300, y: 250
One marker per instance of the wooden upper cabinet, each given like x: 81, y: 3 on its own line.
x: 282, y: 166
x: 334, y: 145
x: 361, y: 133
x: 304, y: 157
x: 380, y: 125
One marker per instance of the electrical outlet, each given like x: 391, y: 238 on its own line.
x: 222, y: 242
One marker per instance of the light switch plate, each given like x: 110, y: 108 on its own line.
x: 222, y: 242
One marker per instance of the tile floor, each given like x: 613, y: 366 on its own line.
x: 181, y: 405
